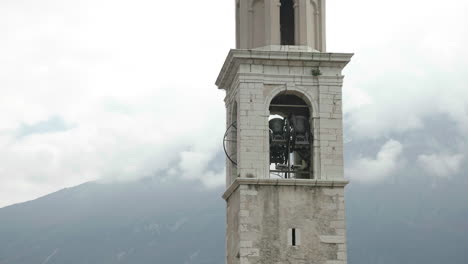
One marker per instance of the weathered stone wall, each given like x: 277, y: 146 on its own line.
x: 261, y: 211
x: 232, y: 229
x: 267, y: 212
x: 252, y: 81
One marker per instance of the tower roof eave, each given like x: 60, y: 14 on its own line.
x: 279, y: 53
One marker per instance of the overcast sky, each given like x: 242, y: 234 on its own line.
x: 114, y: 90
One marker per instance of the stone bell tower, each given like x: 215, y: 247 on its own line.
x: 284, y: 137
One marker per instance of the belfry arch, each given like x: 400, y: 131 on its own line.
x: 290, y: 136
x: 233, y: 139
x: 230, y: 143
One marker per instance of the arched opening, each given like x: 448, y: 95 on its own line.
x: 290, y: 137
x: 234, y: 141
x: 230, y: 144
x: 287, y: 27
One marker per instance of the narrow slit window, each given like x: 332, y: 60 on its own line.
x: 293, y: 237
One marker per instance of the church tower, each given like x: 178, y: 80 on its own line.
x: 284, y: 138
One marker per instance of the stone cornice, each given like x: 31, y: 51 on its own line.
x: 237, y: 57
x: 282, y: 182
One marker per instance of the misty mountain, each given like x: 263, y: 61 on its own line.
x: 411, y: 216
x: 136, y: 222
x: 407, y: 222
x: 148, y: 221
x: 408, y: 217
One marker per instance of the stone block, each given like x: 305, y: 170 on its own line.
x: 249, y: 192
x: 342, y: 248
x: 271, y: 69
x: 335, y: 262
x: 331, y: 123
x: 342, y: 256
x: 244, y: 68
x: 246, y: 244
x: 283, y: 69
x: 296, y: 71
x: 256, y: 68
x: 329, y: 137
x: 338, y: 224
x: 335, y: 90
x: 332, y: 239
x: 333, y: 191
x: 244, y: 213
x: 326, y: 108
x: 244, y: 228
x: 341, y: 215
x: 340, y: 232
x: 249, y: 252
x: 296, y: 63
x: 243, y: 260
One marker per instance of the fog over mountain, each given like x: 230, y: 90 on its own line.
x: 87, y: 95
x: 414, y: 210
x: 407, y: 216
x: 139, y: 222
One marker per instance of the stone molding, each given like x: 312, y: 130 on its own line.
x: 281, y: 53
x: 283, y: 182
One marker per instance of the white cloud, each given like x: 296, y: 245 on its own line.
x: 194, y: 165
x: 441, y: 164
x: 376, y: 169
x: 409, y: 63
x: 134, y: 82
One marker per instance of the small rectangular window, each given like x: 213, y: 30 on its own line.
x: 294, y: 237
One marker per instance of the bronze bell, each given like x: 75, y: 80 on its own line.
x: 300, y: 125
x: 277, y: 126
